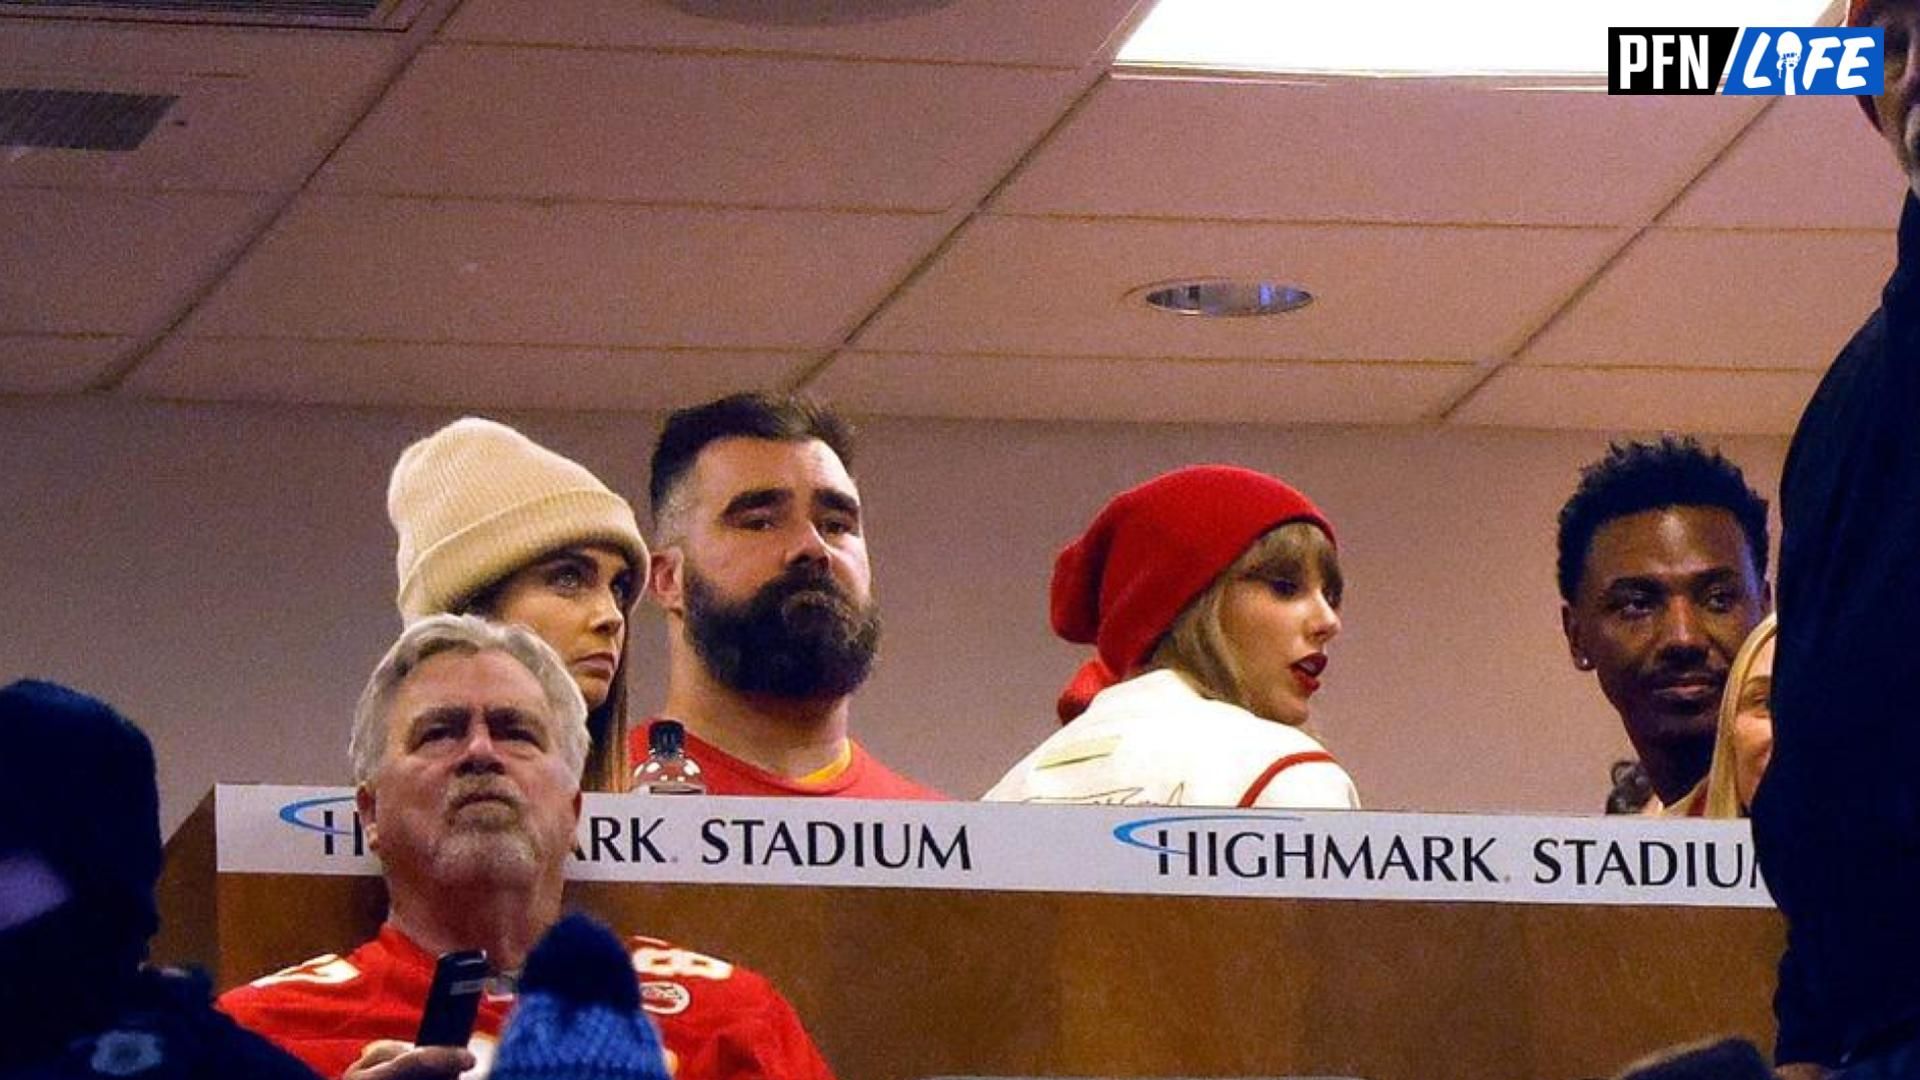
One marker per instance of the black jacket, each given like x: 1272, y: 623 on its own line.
x: 164, y: 1028
x: 1837, y: 818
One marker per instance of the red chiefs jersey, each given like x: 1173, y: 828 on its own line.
x: 717, y: 1021
x: 863, y: 778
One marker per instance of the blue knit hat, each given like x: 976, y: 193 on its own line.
x: 579, y: 1013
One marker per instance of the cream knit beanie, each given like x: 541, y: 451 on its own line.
x: 477, y: 500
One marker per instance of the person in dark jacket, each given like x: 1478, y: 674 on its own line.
x: 1837, y: 818
x: 79, y: 858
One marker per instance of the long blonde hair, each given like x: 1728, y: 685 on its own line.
x: 1723, y: 792
x: 1196, y: 645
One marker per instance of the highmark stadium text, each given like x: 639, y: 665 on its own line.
x: 1752, y: 60
x: 1283, y: 851
x: 1101, y: 849
x: 857, y: 844
x: 745, y: 841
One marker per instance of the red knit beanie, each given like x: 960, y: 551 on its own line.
x: 1149, y: 553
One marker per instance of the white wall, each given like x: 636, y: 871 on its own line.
x: 225, y: 575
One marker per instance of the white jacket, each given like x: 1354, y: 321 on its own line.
x: 1153, y: 740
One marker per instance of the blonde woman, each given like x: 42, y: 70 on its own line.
x: 1210, y: 594
x: 1744, y: 743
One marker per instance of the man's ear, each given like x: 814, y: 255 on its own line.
x: 369, y: 825
x: 666, y: 583
x: 1570, y: 626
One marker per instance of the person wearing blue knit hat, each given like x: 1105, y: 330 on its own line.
x: 579, y: 1016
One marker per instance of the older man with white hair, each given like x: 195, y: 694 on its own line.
x: 467, y: 749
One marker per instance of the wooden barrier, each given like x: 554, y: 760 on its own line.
x: 899, y: 984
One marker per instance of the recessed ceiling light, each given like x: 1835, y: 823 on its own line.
x: 807, y: 12
x: 1420, y: 37
x: 1223, y: 297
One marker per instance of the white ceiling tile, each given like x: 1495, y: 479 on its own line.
x: 1373, y: 150
x: 56, y: 365
x: 1144, y: 391
x: 546, y: 259
x: 257, y: 110
x: 1642, y: 399
x: 1808, y: 162
x: 1029, y: 286
x: 979, y: 31
x: 669, y: 128
x: 568, y: 274
x: 462, y: 376
x: 113, y: 262
x: 1724, y: 299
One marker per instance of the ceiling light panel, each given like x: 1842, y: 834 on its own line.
x: 1419, y: 37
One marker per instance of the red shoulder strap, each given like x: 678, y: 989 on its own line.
x: 1266, y: 777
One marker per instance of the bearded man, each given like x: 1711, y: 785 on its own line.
x: 760, y: 565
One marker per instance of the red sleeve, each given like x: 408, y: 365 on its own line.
x: 743, y: 1040
x: 292, y: 1026
x: 327, y: 1010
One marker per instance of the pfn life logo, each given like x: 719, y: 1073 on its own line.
x: 1772, y: 60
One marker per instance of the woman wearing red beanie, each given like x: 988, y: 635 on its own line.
x: 1210, y: 594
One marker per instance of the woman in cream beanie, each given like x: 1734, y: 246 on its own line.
x: 492, y: 523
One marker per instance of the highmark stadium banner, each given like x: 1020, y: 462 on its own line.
x: 1173, y: 851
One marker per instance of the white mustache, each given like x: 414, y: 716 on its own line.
x: 463, y: 794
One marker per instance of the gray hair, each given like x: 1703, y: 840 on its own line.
x: 468, y: 635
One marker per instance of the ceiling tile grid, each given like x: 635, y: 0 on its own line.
x: 619, y: 126
x: 1142, y: 391
x: 1723, y: 298
x: 455, y: 375
x: 247, y: 119
x: 1809, y: 163
x: 1376, y: 150
x: 1642, y: 399
x: 113, y: 262
x: 955, y: 207
x: 1067, y: 35
x: 339, y: 267
x: 1031, y: 286
x: 46, y: 364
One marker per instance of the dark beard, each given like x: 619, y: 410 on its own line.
x: 800, y: 636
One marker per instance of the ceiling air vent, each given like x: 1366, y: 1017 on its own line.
x: 347, y: 14
x: 79, y: 119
